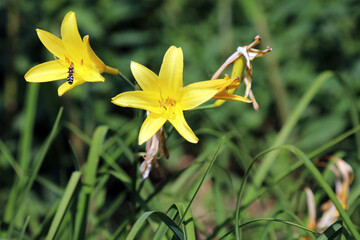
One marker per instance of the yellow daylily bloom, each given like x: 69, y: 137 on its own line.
x: 165, y: 97
x: 74, y: 58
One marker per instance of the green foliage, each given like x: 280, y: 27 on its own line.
x: 73, y: 173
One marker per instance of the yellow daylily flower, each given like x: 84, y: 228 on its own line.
x: 165, y: 97
x: 74, y: 58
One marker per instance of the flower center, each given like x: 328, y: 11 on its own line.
x: 168, y: 107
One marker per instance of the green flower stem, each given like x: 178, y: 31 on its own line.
x: 126, y: 79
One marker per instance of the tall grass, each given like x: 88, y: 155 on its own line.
x: 69, y: 166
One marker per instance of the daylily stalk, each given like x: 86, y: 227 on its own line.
x: 74, y: 58
x: 165, y: 97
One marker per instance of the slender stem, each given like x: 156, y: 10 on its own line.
x: 126, y: 79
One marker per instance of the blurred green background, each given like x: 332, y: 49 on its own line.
x: 307, y: 38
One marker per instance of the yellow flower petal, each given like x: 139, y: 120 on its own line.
x: 171, y: 73
x: 111, y: 70
x: 89, y: 75
x: 138, y: 99
x: 147, y: 79
x: 71, y: 38
x: 151, y: 125
x: 231, y: 97
x: 52, y: 43
x: 66, y: 86
x: 46, y: 72
x: 193, y: 97
x: 93, y: 57
x: 218, y: 84
x: 183, y: 128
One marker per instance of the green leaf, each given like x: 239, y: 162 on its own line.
x: 24, y: 184
x: 163, y: 217
x: 332, y: 232
x: 64, y: 204
x: 285, y: 131
x: 22, y: 233
x: 314, y: 172
x: 202, y: 180
x: 89, y: 182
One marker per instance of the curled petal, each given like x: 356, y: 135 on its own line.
x: 46, y: 72
x: 52, y: 43
x: 138, y: 99
x: 231, y: 97
x: 151, y: 125
x: 312, y: 210
x: 183, y: 128
x: 147, y: 79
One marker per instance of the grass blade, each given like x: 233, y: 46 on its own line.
x: 24, y: 184
x: 202, y: 180
x: 163, y: 217
x: 297, y: 165
x: 332, y: 232
x: 162, y: 229
x: 314, y: 172
x: 64, y: 204
x: 10, y: 159
x: 26, y: 136
x: 285, y: 131
x: 272, y: 220
x: 89, y: 182
x: 22, y: 233
x: 188, y: 222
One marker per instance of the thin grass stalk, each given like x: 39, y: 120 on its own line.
x: 202, y: 181
x: 297, y: 165
x: 89, y: 181
x: 270, y: 219
x: 24, y: 152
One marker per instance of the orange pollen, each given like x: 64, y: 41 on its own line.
x: 168, y: 105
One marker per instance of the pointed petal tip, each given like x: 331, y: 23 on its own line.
x: 113, y: 99
x: 70, y: 13
x: 60, y: 93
